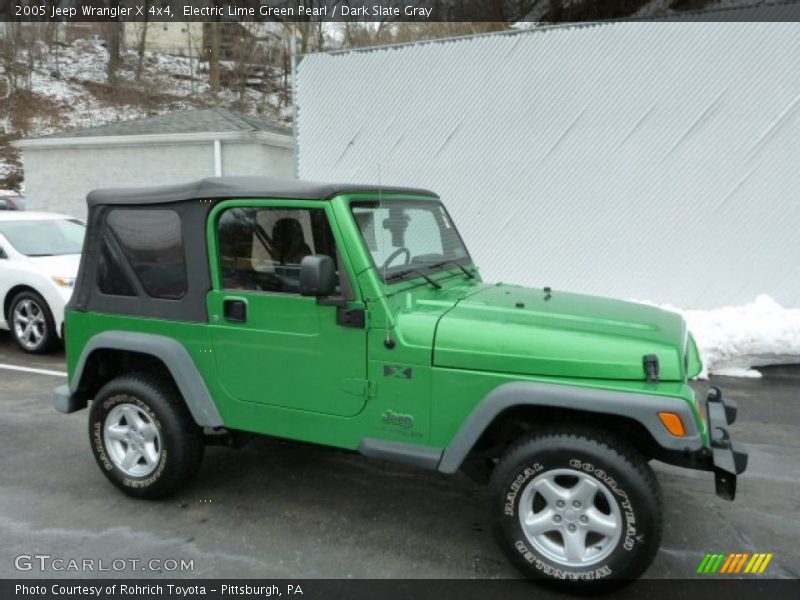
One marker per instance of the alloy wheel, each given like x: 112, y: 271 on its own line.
x: 132, y: 440
x: 570, y: 517
x: 30, y: 325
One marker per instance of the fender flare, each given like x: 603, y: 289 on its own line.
x: 174, y: 356
x: 640, y: 407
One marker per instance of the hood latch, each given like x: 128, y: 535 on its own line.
x: 650, y: 362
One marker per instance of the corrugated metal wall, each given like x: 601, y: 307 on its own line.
x: 651, y: 161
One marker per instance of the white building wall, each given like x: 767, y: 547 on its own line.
x: 182, y: 38
x: 58, y: 179
x: 257, y: 159
x: 651, y: 161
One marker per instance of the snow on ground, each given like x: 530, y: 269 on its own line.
x: 734, y: 340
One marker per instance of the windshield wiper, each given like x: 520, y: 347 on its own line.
x: 405, y: 272
x: 464, y: 270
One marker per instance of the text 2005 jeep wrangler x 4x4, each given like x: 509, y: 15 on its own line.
x: 354, y: 317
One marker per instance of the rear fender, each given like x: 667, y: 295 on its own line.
x: 171, y: 353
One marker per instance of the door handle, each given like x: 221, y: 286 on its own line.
x: 235, y: 309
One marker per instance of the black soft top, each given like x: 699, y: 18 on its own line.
x: 239, y: 187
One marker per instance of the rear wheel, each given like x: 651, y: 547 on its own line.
x: 144, y: 437
x: 32, y: 324
x: 575, y: 506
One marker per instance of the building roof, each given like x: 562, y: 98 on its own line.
x: 216, y: 120
x: 238, y: 187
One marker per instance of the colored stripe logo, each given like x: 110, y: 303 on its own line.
x: 738, y: 562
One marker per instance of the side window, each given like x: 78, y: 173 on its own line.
x: 261, y: 249
x: 111, y: 278
x: 153, y: 245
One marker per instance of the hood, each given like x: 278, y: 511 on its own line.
x: 512, y: 329
x: 64, y: 265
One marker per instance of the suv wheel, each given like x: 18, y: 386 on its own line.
x: 572, y: 507
x: 32, y: 323
x: 144, y: 437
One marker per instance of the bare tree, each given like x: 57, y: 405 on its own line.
x: 195, y: 49
x: 31, y: 51
x: 142, y: 42
x: 10, y: 47
x: 246, y: 56
x: 114, y: 45
x: 214, y: 49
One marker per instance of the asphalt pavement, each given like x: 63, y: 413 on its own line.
x: 275, y: 509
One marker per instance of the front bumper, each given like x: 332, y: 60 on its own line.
x: 728, y: 459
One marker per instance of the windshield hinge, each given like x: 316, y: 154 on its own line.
x: 351, y: 317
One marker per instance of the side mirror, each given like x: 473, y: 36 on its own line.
x: 317, y: 276
x: 3, y: 253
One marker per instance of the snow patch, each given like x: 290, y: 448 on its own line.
x: 735, y: 339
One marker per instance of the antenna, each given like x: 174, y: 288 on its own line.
x: 388, y: 342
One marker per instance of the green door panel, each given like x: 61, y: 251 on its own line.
x: 289, y: 352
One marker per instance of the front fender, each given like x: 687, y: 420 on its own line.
x: 640, y: 407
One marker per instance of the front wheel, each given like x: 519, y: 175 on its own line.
x: 144, y: 437
x: 576, y: 507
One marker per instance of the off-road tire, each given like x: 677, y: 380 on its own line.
x: 49, y: 341
x: 181, y: 443
x: 597, y: 456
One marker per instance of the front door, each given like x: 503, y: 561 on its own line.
x: 272, y: 345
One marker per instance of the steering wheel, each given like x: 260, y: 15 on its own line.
x: 394, y: 255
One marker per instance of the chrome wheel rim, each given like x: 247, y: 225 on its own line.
x: 570, y: 517
x: 132, y: 440
x: 29, y: 324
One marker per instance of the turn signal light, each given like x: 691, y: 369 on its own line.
x: 673, y: 423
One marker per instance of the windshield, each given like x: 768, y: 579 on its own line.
x: 51, y: 237
x: 407, y: 235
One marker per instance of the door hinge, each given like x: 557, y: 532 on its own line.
x: 351, y: 317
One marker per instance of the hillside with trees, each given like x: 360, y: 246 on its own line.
x: 57, y: 76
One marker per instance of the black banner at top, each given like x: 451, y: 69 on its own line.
x: 287, y: 11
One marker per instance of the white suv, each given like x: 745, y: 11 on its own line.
x: 39, y: 256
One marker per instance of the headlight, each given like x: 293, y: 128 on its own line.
x: 65, y: 282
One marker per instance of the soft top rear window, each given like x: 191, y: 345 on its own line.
x: 152, y: 242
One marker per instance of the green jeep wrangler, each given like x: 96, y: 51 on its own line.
x: 354, y: 317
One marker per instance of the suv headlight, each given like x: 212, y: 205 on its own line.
x: 65, y: 282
